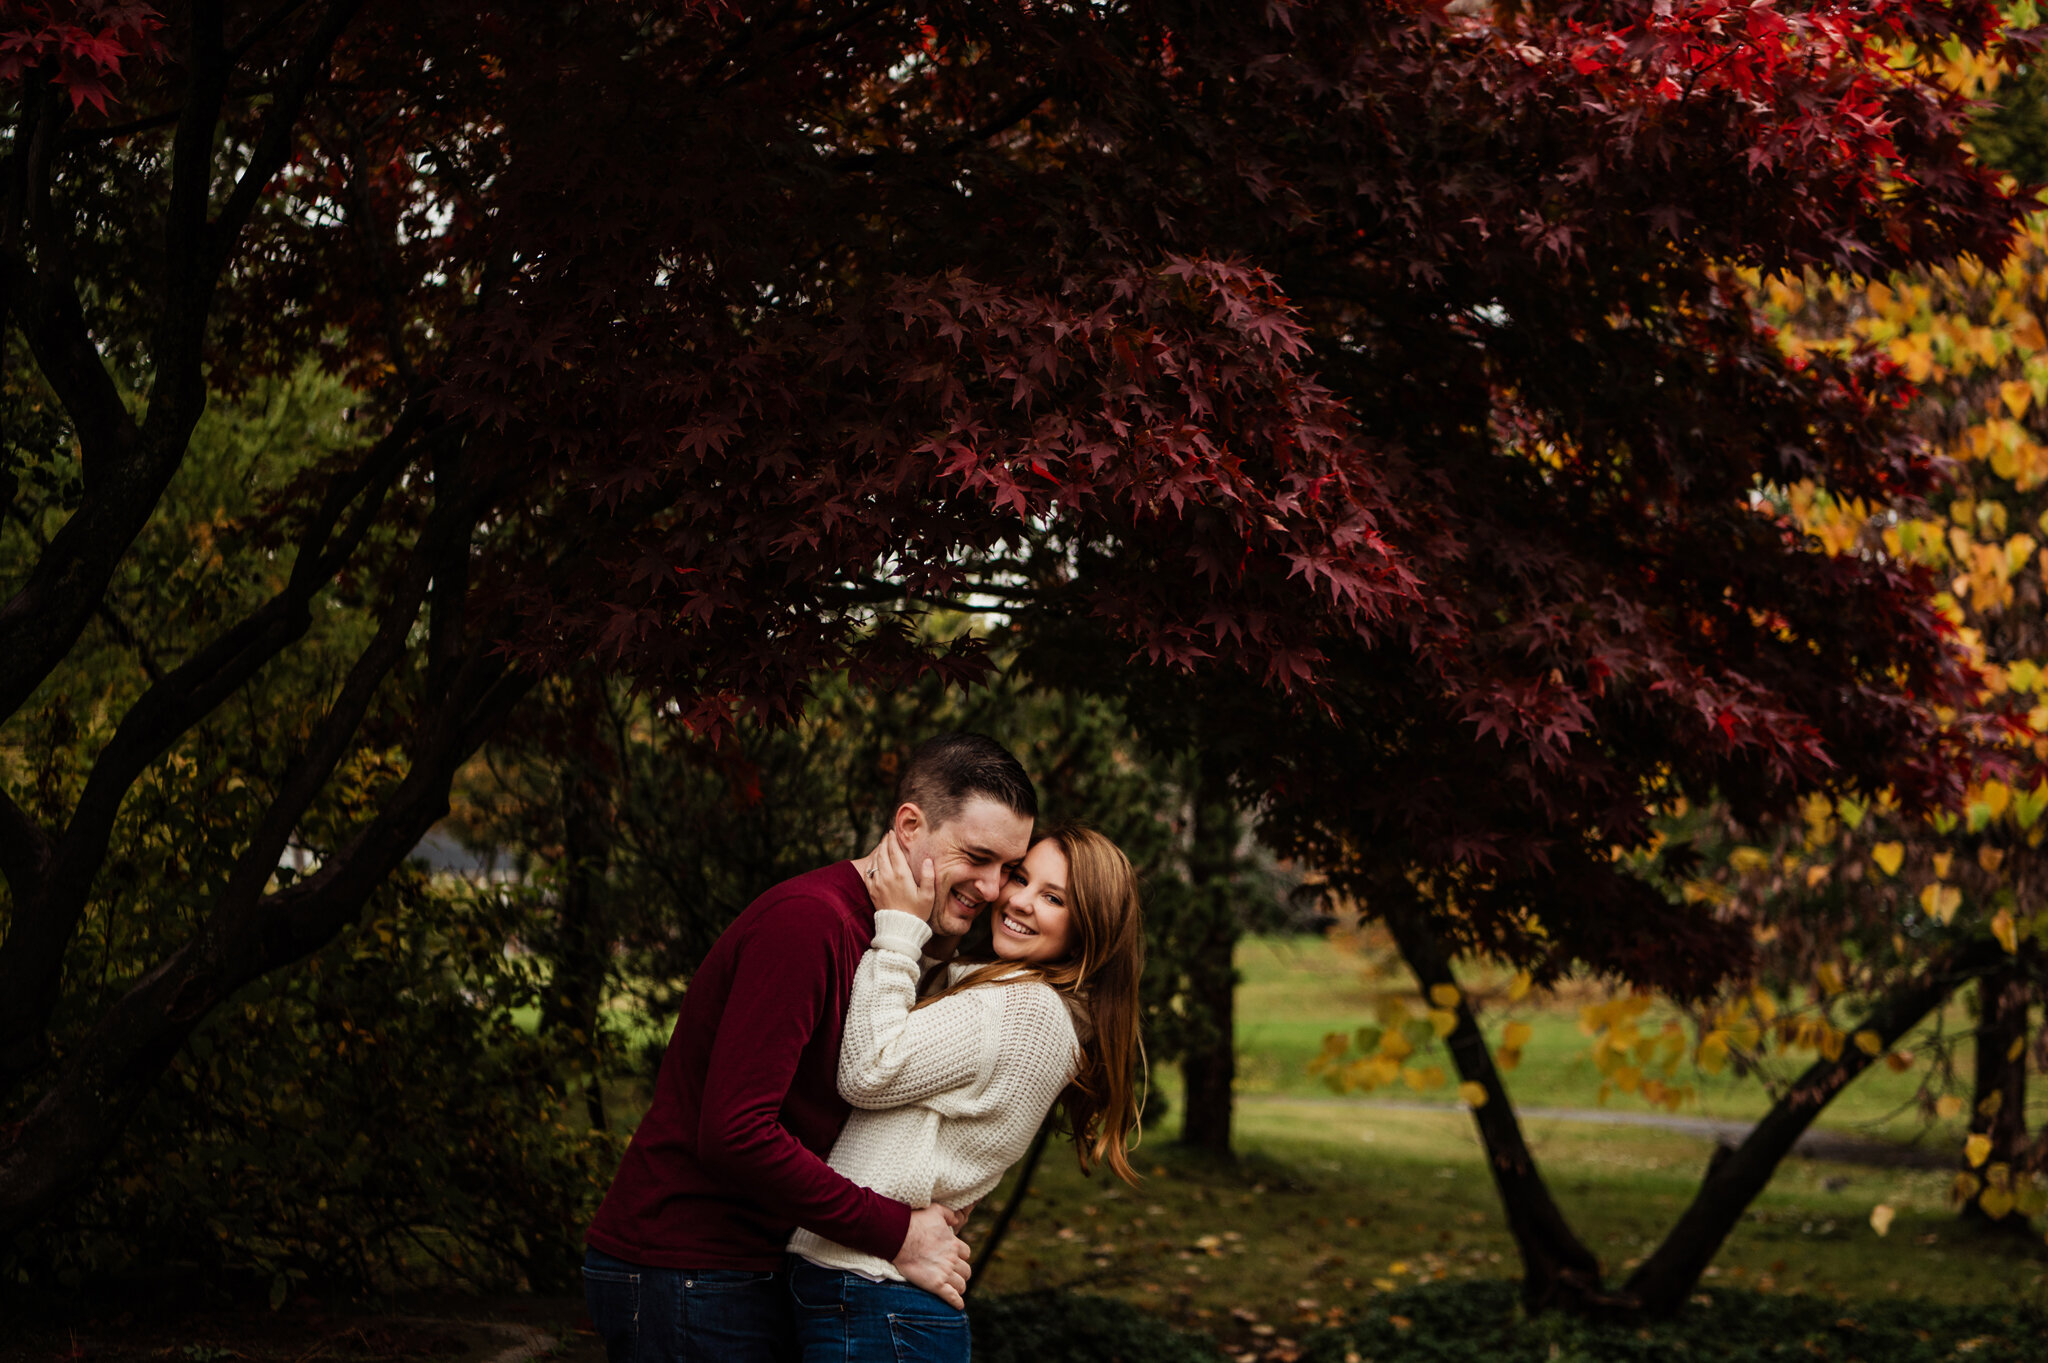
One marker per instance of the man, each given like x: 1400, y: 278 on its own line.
x: 685, y: 1255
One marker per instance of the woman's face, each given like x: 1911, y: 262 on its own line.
x: 1031, y: 921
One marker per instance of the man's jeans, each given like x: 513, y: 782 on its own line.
x: 683, y: 1315
x: 844, y: 1318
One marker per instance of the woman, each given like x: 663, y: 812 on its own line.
x: 948, y: 1092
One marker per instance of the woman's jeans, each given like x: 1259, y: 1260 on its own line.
x: 844, y: 1318
x: 685, y: 1315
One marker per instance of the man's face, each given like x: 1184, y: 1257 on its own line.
x: 971, y: 854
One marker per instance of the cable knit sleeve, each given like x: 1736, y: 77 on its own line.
x: 890, y: 1056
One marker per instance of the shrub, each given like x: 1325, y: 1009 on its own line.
x: 377, y: 1117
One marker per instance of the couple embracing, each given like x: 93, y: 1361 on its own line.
x: 842, y: 1085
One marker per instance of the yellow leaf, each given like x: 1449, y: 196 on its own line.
x: 1941, y: 863
x: 1948, y: 1105
x: 1996, y: 795
x: 1396, y: 1047
x: 1964, y: 1188
x: 1888, y: 856
x: 1990, y: 858
x: 1714, y: 1053
x: 1473, y: 1095
x: 1870, y: 1043
x: 2012, y: 1052
x: 1518, y: 988
x: 1996, y: 1202
x: 1829, y: 977
x: 1881, y: 1218
x: 2002, y: 929
x: 1941, y: 901
x: 2015, y: 394
x: 1516, y: 1035
x: 1507, y: 1057
x: 1443, y: 1022
x: 1977, y: 1149
x: 1444, y: 995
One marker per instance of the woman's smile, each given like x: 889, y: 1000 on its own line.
x: 1031, y: 921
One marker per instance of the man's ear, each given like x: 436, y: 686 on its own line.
x: 909, y: 823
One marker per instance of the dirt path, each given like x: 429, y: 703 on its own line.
x: 1839, y: 1147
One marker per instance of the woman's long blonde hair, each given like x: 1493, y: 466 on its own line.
x: 1105, y: 957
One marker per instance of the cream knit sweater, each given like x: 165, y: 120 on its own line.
x: 946, y: 1098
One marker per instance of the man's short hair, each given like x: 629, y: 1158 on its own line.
x: 945, y: 772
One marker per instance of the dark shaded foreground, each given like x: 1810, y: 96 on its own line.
x: 426, y: 1330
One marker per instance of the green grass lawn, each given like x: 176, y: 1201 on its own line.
x: 1297, y: 990
x: 1336, y: 1205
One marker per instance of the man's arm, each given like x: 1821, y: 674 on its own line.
x: 781, y: 986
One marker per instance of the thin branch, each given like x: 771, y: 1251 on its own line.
x: 264, y: 28
x: 309, y: 772
x: 369, y: 234
x: 1016, y: 112
x: 274, y: 144
x: 121, y: 631
x: 779, y: 56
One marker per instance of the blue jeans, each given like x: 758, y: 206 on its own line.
x: 844, y: 1318
x: 685, y: 1315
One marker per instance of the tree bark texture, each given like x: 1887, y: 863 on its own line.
x: 1998, y: 1099
x: 1558, y: 1271
x: 1664, y: 1282
x: 1209, y: 1061
x: 581, y: 947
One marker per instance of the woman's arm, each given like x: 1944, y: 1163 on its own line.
x: 890, y: 1056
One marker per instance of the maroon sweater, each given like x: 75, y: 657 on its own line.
x: 730, y: 1158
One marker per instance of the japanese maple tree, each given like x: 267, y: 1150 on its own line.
x: 1379, y: 369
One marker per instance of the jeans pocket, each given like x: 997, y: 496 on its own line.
x: 817, y: 1291
x: 612, y: 1297
x: 929, y: 1339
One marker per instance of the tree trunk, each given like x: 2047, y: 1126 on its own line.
x: 986, y: 1255
x: 1558, y: 1271
x: 1667, y: 1278
x: 581, y: 947
x: 1998, y: 1104
x: 1209, y: 1060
